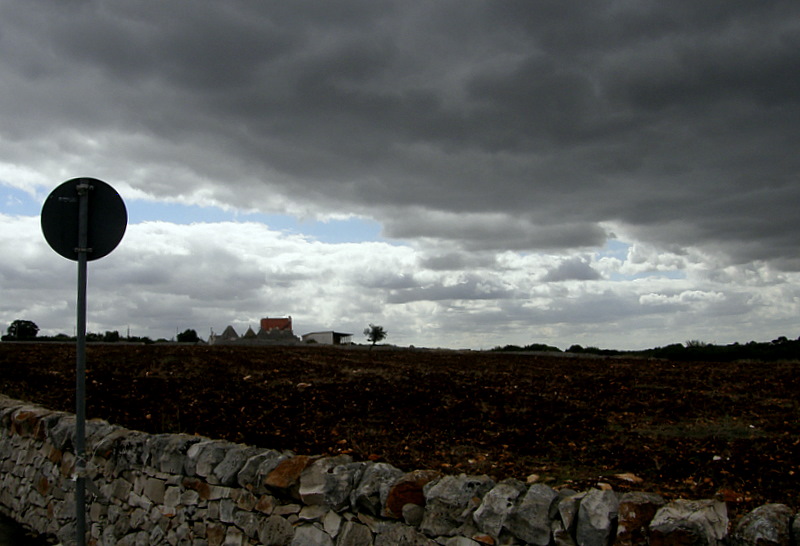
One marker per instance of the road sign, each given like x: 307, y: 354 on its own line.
x: 82, y: 219
x: 107, y: 218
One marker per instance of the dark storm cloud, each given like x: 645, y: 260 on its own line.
x: 540, y: 122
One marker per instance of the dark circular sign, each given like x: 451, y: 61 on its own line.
x: 107, y: 218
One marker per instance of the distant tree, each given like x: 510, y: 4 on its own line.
x: 22, y: 329
x: 188, y: 336
x: 375, y: 334
x: 111, y: 336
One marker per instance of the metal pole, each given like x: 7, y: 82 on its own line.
x: 80, y: 372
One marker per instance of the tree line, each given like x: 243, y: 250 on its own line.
x: 26, y: 330
x: 781, y: 348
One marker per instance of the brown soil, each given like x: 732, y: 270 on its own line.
x: 695, y: 430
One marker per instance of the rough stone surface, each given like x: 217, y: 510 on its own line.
x: 636, y: 511
x: 597, y: 518
x: 530, y: 520
x: 354, y: 534
x: 689, y: 522
x: 408, y: 490
x: 768, y: 525
x: 497, y: 505
x: 314, y: 483
x: 372, y: 490
x: 450, y: 502
x: 308, y: 535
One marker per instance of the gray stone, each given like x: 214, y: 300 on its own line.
x: 597, y: 517
x: 205, y: 456
x: 308, y: 535
x: 354, y: 534
x: 497, y: 505
x: 413, y: 514
x: 450, y: 502
x: 561, y: 537
x: 62, y: 434
x: 314, y: 481
x: 373, y: 488
x: 228, y: 468
x: 397, y: 534
x: 248, y: 522
x: 226, y: 509
x: 702, y: 522
x: 167, y: 452
x: 332, y: 523
x: 234, y: 537
x: 568, y: 510
x: 312, y: 513
x: 154, y: 490
x: 530, y: 519
x: 460, y: 541
x: 340, y: 482
x: 255, y: 469
x: 768, y: 525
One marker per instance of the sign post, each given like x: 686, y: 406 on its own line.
x: 82, y: 219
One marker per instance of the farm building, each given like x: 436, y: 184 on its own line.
x: 328, y: 338
x: 273, y: 331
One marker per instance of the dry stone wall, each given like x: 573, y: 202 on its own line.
x: 176, y: 489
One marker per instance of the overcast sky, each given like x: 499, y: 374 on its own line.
x: 619, y: 174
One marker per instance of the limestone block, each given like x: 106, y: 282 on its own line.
x: 167, y: 452
x: 229, y: 467
x: 257, y: 468
x: 372, y: 490
x: 397, y: 534
x: 203, y: 458
x: 340, y: 482
x: 226, y: 508
x: 308, y: 535
x: 568, y: 510
x: 497, y: 505
x: 450, y: 502
x: 172, y: 496
x: 461, y: 541
x: 313, y: 479
x: 332, y: 523
x: 696, y: 522
x: 354, y: 534
x: 154, y: 490
x: 529, y: 520
x: 248, y: 522
x: 561, y: 537
x: 63, y: 432
x: 275, y: 531
x: 768, y: 525
x: 597, y: 516
x: 233, y: 537
x: 189, y: 498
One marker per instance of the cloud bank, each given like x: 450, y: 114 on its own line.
x: 502, y: 146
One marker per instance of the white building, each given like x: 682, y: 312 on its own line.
x: 328, y: 338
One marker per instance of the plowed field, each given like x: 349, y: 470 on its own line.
x: 696, y: 430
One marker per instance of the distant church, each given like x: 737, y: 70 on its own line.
x: 272, y: 331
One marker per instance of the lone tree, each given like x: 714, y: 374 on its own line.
x: 22, y: 329
x: 375, y: 334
